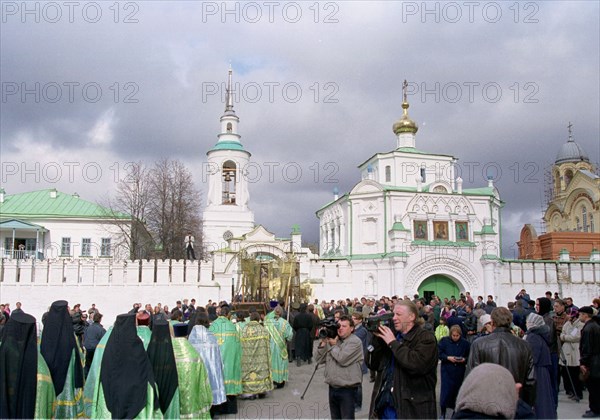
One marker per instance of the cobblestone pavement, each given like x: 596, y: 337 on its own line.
x: 285, y: 403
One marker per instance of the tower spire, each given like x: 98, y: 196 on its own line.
x: 228, y: 95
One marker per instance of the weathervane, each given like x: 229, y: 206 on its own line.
x: 404, y: 89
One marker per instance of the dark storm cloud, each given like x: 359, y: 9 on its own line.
x: 158, y: 77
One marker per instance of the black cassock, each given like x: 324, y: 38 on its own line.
x: 303, y: 325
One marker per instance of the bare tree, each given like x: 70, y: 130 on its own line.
x: 130, y: 205
x: 175, y: 207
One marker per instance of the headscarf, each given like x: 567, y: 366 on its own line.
x: 162, y: 359
x: 488, y: 390
x: 125, y: 370
x: 534, y: 321
x: 545, y: 306
x: 58, y: 343
x: 18, y: 367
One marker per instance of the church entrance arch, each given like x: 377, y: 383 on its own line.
x: 439, y: 285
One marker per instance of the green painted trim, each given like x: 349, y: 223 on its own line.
x: 490, y: 257
x: 379, y: 256
x: 462, y: 244
x: 385, y: 216
x: 330, y: 203
x: 484, y: 191
x: 486, y: 230
x: 229, y: 145
x: 398, y: 226
x: 351, y: 227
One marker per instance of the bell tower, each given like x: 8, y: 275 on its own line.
x: 227, y: 214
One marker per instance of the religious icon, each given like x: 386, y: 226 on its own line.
x: 441, y: 230
x: 421, y: 230
x: 462, y: 232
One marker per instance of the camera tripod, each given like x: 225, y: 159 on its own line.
x: 317, y: 363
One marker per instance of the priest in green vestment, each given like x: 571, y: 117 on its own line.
x: 143, y: 328
x: 120, y: 383
x: 256, y: 358
x: 64, y: 359
x: 280, y: 332
x: 228, y: 339
x: 231, y: 351
x: 195, y: 396
x: 26, y: 389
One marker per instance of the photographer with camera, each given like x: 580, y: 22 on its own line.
x: 342, y: 353
x: 413, y: 363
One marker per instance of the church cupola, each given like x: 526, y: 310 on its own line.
x: 571, y: 151
x: 405, y: 128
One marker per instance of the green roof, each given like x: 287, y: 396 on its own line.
x: 41, y: 204
x: 229, y: 145
x: 399, y: 226
x: 486, y: 230
x: 479, y: 191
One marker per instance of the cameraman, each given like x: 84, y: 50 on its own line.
x: 414, y: 360
x: 343, y: 358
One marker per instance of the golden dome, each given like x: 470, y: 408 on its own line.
x: 405, y: 124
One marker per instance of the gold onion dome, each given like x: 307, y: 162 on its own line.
x: 405, y: 124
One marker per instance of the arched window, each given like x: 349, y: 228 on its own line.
x: 577, y: 225
x: 229, y: 127
x: 388, y: 174
x: 229, y: 175
x: 568, y: 177
x: 423, y: 175
x: 591, y: 223
x: 584, y: 218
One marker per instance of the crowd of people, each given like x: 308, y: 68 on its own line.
x: 197, y: 361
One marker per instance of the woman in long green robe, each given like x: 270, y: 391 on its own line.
x: 280, y: 331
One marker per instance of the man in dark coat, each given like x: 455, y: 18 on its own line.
x: 414, y: 360
x: 589, y: 348
x: 503, y: 348
x: 303, y: 325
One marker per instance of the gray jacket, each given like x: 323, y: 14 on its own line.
x: 343, y: 362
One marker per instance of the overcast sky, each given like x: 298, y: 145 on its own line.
x: 88, y: 87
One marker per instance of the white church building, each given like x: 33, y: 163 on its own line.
x: 408, y: 226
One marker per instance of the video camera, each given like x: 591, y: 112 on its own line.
x: 329, y: 328
x: 372, y: 323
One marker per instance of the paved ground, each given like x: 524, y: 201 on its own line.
x: 285, y: 403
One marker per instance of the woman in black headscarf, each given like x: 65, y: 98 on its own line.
x: 21, y: 396
x: 61, y: 352
x: 162, y: 359
x: 126, y: 374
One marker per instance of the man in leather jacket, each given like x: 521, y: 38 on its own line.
x: 503, y: 348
